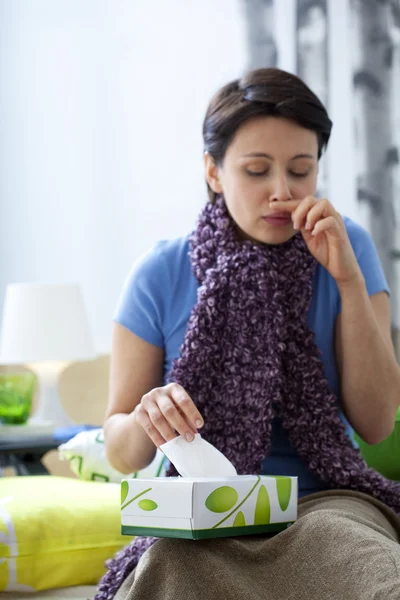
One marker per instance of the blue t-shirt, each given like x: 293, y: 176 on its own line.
x: 161, y: 291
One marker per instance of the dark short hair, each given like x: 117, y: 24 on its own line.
x: 263, y: 92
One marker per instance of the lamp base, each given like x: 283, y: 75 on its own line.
x: 27, y: 430
x: 50, y: 411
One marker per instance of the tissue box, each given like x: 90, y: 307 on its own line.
x: 201, y: 508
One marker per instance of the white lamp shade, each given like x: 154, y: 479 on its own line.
x: 43, y: 322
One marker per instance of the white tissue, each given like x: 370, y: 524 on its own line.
x: 198, y: 458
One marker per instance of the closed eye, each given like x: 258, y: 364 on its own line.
x: 256, y: 173
x: 265, y: 172
x: 295, y: 174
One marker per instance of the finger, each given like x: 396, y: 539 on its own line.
x: 144, y: 421
x: 285, y: 205
x: 160, y: 422
x: 174, y: 418
x: 149, y: 403
x: 299, y: 216
x: 186, y: 405
x: 330, y: 224
x: 323, y: 208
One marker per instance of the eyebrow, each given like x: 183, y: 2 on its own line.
x: 263, y: 155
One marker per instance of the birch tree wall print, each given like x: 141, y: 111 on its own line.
x: 375, y: 57
x: 393, y: 156
x: 312, y: 59
x: 259, y: 19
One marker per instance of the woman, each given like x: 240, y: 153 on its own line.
x: 269, y: 331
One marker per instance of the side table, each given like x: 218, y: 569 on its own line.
x: 24, y: 453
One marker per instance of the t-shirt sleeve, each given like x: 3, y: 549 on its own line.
x: 141, y: 305
x: 368, y: 259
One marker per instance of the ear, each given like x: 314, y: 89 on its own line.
x: 212, y: 173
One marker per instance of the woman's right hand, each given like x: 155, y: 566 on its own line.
x: 166, y: 412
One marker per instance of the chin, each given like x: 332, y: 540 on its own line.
x: 272, y: 237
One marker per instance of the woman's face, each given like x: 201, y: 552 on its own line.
x: 269, y: 159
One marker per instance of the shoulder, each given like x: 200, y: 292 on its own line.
x: 163, y: 258
x: 144, y: 303
x: 359, y: 237
x: 367, y: 257
x: 324, y: 286
x: 174, y: 251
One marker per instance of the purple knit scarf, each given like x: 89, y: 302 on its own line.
x: 249, y: 355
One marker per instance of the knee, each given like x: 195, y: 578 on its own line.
x: 169, y: 549
x: 349, y: 544
x: 331, y: 526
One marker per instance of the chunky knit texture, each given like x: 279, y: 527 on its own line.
x: 248, y: 355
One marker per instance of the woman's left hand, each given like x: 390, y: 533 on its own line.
x: 325, y: 234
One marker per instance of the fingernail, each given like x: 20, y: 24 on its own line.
x: 199, y: 423
x: 189, y: 437
x: 308, y: 226
x: 295, y: 225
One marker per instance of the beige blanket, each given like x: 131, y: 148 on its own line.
x: 344, y: 546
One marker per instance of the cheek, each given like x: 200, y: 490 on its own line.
x: 247, y: 197
x: 254, y: 190
x: 240, y: 192
x: 300, y: 189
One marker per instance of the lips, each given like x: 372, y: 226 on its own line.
x: 278, y: 219
x: 278, y: 215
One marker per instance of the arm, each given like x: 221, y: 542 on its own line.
x: 367, y: 366
x: 369, y: 374
x: 136, y: 368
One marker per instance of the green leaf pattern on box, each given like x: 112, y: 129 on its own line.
x: 86, y: 455
x: 262, y: 513
x: 220, y: 500
x: 224, y: 499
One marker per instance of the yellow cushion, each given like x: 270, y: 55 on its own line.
x: 56, y: 531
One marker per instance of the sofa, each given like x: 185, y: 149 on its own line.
x: 55, y: 510
x: 70, y: 526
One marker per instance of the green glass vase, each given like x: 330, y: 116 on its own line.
x: 16, y: 396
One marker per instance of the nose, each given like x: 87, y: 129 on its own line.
x: 280, y: 189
